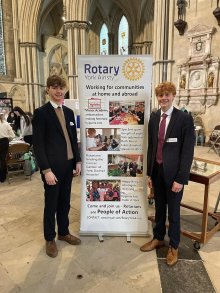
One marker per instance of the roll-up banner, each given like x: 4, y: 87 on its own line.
x: 114, y: 99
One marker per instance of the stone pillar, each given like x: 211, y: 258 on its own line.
x: 163, y: 40
x: 111, y: 43
x: 147, y: 48
x: 16, y: 41
x: 8, y: 40
x: 137, y: 48
x: 76, y: 36
x: 30, y: 73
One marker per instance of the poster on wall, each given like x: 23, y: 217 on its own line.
x: 114, y: 97
x: 5, y: 103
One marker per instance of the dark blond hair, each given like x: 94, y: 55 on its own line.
x: 165, y: 87
x: 56, y: 80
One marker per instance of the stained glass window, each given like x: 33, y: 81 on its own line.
x: 2, y: 50
x: 123, y: 33
x: 104, y: 40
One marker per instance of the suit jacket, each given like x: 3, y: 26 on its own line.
x: 48, y: 138
x: 177, y: 155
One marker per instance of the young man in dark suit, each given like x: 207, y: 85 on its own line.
x: 56, y: 150
x: 170, y: 154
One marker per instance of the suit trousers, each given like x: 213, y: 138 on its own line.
x: 164, y: 197
x: 57, y: 201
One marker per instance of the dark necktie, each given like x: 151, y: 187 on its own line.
x: 160, y: 143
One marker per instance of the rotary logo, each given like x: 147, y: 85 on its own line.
x: 133, y: 69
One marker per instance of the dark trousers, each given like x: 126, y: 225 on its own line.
x: 57, y: 201
x: 164, y: 197
x: 4, y: 145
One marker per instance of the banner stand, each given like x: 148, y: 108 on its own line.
x: 114, y: 100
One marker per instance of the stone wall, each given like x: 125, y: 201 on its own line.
x: 198, y: 12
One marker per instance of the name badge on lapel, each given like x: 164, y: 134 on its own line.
x: 172, y: 139
x: 71, y: 123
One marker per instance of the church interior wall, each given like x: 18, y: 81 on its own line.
x: 198, y: 13
x: 50, y: 37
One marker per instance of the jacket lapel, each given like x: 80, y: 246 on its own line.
x: 67, y: 122
x: 172, y: 122
x: 156, y: 126
x: 53, y: 114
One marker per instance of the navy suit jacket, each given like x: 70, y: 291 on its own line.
x: 48, y: 138
x: 177, y: 155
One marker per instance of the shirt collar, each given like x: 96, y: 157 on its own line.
x: 55, y: 105
x: 168, y: 112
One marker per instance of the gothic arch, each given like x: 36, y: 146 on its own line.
x: 98, y: 20
x: 44, y: 14
x: 115, y: 26
x: 146, y: 25
x: 17, y: 94
x: 57, y: 60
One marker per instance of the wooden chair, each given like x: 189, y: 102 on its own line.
x: 15, y: 162
x: 214, y: 139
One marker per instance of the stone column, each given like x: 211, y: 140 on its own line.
x: 137, y: 48
x: 76, y: 36
x: 30, y: 73
x: 16, y: 41
x: 163, y: 40
x: 147, y: 48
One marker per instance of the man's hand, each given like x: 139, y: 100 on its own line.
x: 176, y: 187
x: 50, y: 178
x: 149, y: 182
x: 78, y: 169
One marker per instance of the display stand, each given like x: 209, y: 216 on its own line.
x: 204, y: 172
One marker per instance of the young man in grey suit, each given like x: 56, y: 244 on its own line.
x: 170, y: 154
x: 56, y: 150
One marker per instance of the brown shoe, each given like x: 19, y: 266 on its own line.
x: 154, y: 243
x: 70, y: 239
x: 172, y: 256
x: 51, y: 248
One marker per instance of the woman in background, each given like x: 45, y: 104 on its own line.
x: 24, y: 125
x: 12, y: 120
x: 6, y: 134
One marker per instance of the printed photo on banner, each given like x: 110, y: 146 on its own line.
x: 123, y: 112
x: 103, y: 190
x: 103, y: 139
x: 125, y: 165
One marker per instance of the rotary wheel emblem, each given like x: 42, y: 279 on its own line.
x: 133, y: 69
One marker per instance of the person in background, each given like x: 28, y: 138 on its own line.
x: 169, y: 158
x: 56, y: 150
x: 12, y: 118
x: 94, y: 194
x: 92, y: 143
x: 24, y: 125
x: 6, y: 134
x: 183, y: 108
